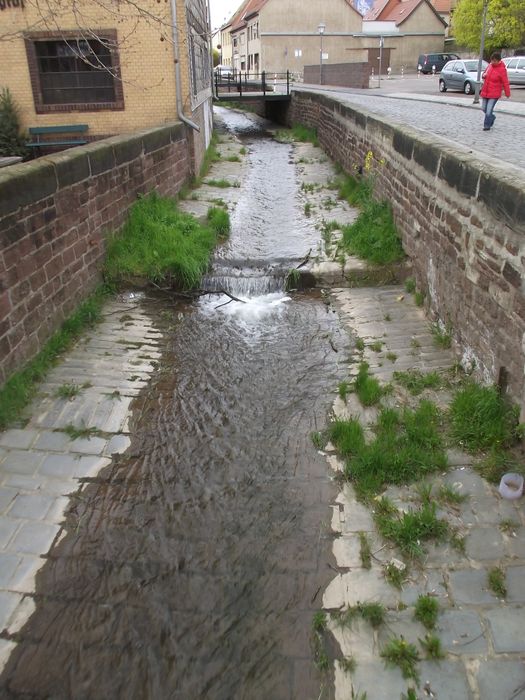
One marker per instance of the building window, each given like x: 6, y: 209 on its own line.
x: 71, y: 73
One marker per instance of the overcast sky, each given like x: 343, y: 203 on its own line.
x: 222, y: 10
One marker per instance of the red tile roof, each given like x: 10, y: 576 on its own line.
x: 442, y: 6
x: 396, y: 10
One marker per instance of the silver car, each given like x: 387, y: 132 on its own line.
x: 515, y: 69
x: 460, y: 75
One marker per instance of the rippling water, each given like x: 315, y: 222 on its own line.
x: 202, y: 553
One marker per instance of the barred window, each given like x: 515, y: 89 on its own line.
x: 72, y: 73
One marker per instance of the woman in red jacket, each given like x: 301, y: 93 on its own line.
x: 495, y: 82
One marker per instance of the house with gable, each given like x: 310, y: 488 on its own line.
x: 280, y: 35
x: 406, y: 28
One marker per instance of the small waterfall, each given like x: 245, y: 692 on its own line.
x: 246, y: 282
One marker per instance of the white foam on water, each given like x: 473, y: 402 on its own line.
x: 253, y: 310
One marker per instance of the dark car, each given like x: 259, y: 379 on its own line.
x: 433, y: 62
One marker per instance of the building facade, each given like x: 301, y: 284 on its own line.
x: 117, y: 67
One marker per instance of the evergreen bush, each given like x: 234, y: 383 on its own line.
x: 12, y: 141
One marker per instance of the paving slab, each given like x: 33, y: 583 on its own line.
x: 506, y: 626
x: 501, y: 679
x: 461, y: 632
x: 470, y: 586
x: 444, y: 680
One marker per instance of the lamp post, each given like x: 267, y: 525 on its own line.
x: 481, y: 50
x: 321, y: 29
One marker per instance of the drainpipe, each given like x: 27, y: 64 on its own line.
x: 180, y: 113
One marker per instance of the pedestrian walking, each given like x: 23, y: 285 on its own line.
x: 495, y: 81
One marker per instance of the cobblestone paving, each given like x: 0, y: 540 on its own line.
x: 459, y: 125
x: 42, y: 464
x: 482, y: 636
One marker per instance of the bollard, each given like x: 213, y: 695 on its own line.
x: 402, y: 72
x: 419, y: 70
x: 433, y: 70
x: 372, y: 76
x: 388, y: 72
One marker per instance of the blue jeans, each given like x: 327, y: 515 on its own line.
x: 487, y: 105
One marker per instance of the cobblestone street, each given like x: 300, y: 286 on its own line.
x: 459, y: 125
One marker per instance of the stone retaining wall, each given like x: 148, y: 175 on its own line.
x: 55, y: 214
x: 462, y: 223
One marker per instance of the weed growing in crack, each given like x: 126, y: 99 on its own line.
x: 496, y: 579
x: 292, y: 279
x: 458, y: 542
x: 410, y: 530
x: 391, y: 356
x: 359, y: 344
x: 395, y: 575
x: 68, y: 391
x: 75, y: 432
x: 319, y: 621
x: 399, y: 652
x: 376, y: 346
x: 365, y: 552
x: 348, y: 664
x: 427, y: 611
x: 347, y: 436
x: 343, y: 390
x: 419, y: 298
x: 318, y: 440
x: 373, y: 613
x: 509, y: 526
x: 307, y: 209
x: 447, y: 494
x: 367, y: 388
x: 410, y: 285
x: 416, y: 382
x: 433, y: 647
x: 442, y: 335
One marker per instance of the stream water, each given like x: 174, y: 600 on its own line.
x: 203, y: 551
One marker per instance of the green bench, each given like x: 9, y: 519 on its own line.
x: 51, y: 135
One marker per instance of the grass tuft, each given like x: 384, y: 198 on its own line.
x: 496, y: 580
x: 426, y: 611
x: 416, y: 381
x: 481, y: 418
x: 395, y: 575
x: 344, y: 389
x: 160, y: 242
x: 432, y: 646
x: 365, y: 552
x: 219, y: 221
x: 399, y: 652
x: 410, y: 530
x: 367, y: 388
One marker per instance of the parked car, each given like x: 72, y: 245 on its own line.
x: 460, y: 75
x: 223, y: 71
x: 429, y: 61
x: 515, y: 69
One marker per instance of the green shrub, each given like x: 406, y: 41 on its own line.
x: 12, y: 141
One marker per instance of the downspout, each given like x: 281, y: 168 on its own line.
x: 175, y: 36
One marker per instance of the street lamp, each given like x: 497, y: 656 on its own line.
x: 321, y: 29
x: 481, y: 50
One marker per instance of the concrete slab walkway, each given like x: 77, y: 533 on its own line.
x: 79, y: 419
x: 482, y: 636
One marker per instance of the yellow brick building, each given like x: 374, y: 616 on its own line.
x: 118, y: 66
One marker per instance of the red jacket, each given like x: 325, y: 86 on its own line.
x: 495, y: 81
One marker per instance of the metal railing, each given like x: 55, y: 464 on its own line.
x: 243, y: 83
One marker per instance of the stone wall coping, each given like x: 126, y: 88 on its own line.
x: 29, y: 182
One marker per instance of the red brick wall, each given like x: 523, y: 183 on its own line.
x: 55, y: 214
x: 462, y: 224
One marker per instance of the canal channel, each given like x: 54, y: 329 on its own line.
x: 204, y: 550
